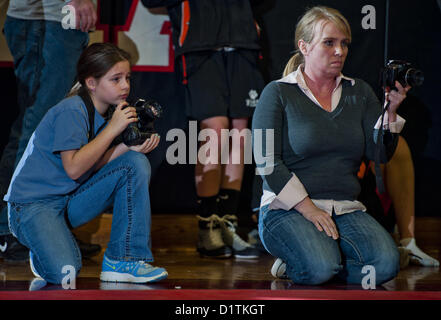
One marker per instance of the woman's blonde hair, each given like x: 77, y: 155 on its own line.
x: 306, y: 28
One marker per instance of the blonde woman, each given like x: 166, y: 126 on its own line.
x: 324, y: 123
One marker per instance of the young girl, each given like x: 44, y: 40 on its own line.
x: 65, y: 178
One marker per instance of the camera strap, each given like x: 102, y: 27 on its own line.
x: 84, y: 95
x: 380, y: 142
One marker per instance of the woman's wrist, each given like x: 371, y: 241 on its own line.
x: 392, y: 116
x: 305, y: 206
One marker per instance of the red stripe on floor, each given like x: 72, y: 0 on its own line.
x: 220, y: 295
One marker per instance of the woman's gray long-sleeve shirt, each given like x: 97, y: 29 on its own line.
x: 320, y: 150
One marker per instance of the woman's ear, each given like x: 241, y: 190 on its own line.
x: 303, y: 47
x: 91, y: 83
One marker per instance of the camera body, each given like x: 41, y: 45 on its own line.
x: 137, y: 132
x: 401, y: 71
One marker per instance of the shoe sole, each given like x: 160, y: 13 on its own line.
x: 109, y: 276
x: 238, y: 256
x: 224, y: 256
x: 217, y: 253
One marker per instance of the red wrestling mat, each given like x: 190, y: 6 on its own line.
x: 219, y: 295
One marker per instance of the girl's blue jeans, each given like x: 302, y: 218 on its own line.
x: 313, y: 258
x: 43, y: 226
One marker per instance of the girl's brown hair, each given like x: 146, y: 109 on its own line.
x: 95, y: 61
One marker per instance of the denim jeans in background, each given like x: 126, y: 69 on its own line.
x: 45, y: 58
x: 42, y: 226
x: 313, y: 258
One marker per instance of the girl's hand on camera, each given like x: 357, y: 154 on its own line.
x: 148, y: 145
x: 121, y: 118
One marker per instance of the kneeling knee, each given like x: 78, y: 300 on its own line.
x: 317, y: 274
x: 138, y: 162
x: 64, y: 275
x: 387, y: 267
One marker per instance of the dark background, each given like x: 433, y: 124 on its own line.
x: 414, y: 36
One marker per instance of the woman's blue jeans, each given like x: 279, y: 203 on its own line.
x: 43, y: 226
x: 313, y: 258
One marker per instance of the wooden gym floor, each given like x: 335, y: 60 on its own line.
x: 174, y: 238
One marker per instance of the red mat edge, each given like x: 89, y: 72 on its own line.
x: 204, y: 294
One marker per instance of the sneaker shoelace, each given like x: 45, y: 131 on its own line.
x: 214, y: 236
x: 141, y: 267
x: 144, y: 266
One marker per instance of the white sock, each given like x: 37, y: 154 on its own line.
x: 417, y: 256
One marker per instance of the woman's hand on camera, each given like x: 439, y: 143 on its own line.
x: 395, y: 98
x: 320, y: 218
x: 148, y: 145
x: 121, y: 118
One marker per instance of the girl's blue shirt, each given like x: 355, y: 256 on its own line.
x: 40, y: 173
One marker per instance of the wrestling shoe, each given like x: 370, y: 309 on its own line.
x: 88, y: 250
x: 241, y: 248
x: 130, y: 271
x: 254, y: 240
x: 210, y: 242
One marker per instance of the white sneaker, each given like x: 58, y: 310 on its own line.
x: 278, y: 269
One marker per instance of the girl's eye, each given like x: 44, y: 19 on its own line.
x: 328, y: 43
x: 345, y: 44
x: 115, y: 79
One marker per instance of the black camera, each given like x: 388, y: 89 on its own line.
x: 137, y: 132
x: 401, y: 71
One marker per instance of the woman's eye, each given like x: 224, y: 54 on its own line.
x: 328, y: 43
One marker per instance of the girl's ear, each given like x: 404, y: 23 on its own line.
x: 91, y: 83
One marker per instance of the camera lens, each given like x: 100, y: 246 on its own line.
x: 414, y: 77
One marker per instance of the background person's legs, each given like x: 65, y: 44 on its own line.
x: 218, y: 184
x: 400, y: 185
